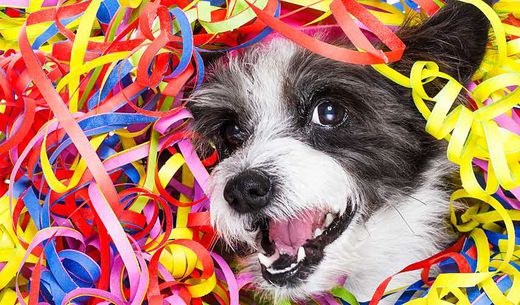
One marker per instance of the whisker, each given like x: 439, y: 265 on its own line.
x: 416, y: 199
x: 402, y: 217
x: 410, y: 196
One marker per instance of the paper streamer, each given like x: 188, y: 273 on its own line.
x: 103, y: 195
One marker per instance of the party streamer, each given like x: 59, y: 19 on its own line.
x: 102, y: 194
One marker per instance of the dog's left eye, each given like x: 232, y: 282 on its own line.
x: 328, y: 114
x: 232, y: 134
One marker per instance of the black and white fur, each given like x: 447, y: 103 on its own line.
x: 378, y: 168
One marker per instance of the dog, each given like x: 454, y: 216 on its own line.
x: 326, y: 175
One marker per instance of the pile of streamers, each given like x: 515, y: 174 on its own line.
x: 102, y: 195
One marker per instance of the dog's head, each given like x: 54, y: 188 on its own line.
x: 310, y: 148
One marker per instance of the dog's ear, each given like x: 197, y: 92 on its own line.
x: 455, y: 37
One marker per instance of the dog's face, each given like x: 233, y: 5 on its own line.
x: 311, y: 149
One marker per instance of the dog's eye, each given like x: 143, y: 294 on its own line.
x: 328, y: 114
x: 232, y: 134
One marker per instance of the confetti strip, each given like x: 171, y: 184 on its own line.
x: 103, y: 195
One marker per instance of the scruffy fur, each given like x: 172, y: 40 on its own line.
x: 380, y: 163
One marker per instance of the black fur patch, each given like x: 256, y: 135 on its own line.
x: 383, y: 143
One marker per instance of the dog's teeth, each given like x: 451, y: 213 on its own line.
x: 328, y: 220
x: 268, y: 261
x: 318, y: 232
x: 276, y: 271
x: 264, y: 260
x: 301, y: 257
x: 301, y: 254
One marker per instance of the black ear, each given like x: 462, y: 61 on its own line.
x: 455, y: 37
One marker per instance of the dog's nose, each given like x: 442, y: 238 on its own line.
x: 248, y: 192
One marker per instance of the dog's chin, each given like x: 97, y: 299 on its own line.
x: 289, y: 250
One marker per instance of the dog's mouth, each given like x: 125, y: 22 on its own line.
x: 290, y: 249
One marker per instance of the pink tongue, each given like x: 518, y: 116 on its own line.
x: 288, y: 235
